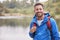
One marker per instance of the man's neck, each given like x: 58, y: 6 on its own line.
x: 40, y: 18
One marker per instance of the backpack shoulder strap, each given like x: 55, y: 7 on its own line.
x: 49, y: 24
x: 49, y: 27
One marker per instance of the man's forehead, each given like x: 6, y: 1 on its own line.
x: 38, y: 6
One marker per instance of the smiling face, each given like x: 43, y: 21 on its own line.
x: 39, y: 10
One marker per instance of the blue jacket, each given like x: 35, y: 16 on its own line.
x: 42, y: 32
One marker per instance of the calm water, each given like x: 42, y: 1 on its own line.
x: 14, y: 33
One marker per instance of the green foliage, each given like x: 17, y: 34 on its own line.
x: 1, y: 7
x: 27, y: 10
x: 16, y: 4
x: 57, y: 0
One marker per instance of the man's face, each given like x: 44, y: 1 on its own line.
x: 38, y: 10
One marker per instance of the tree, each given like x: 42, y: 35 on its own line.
x: 54, y: 1
x: 1, y: 9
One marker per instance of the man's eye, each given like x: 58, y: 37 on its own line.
x: 40, y: 9
x: 36, y: 9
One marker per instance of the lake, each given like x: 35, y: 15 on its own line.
x: 14, y: 33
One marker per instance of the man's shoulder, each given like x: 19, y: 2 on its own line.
x: 33, y: 20
x: 52, y: 20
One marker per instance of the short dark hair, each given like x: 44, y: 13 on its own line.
x: 39, y: 4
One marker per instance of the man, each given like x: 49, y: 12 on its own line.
x: 38, y: 26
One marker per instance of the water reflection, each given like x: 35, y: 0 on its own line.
x: 24, y: 22
x: 14, y: 33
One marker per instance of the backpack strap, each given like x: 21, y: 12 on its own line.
x: 49, y: 27
x: 49, y: 24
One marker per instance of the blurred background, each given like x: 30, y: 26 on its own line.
x: 16, y: 15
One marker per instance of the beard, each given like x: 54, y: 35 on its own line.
x: 38, y: 14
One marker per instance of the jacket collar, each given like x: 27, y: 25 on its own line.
x: 44, y: 20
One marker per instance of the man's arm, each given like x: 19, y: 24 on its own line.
x: 55, y: 32
x: 32, y: 30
